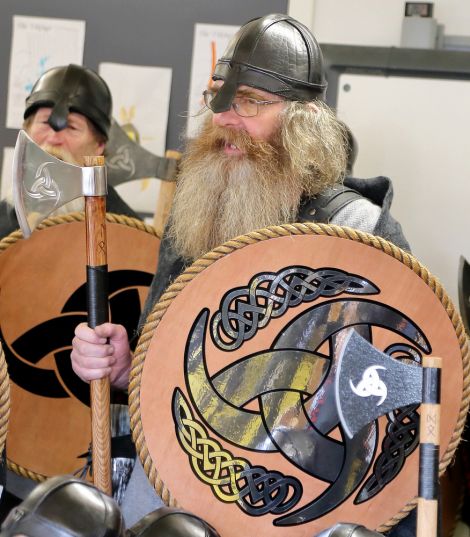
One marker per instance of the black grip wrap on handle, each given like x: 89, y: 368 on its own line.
x: 428, y: 471
x: 97, y: 295
x: 432, y: 385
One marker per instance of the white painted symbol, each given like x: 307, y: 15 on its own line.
x: 371, y: 384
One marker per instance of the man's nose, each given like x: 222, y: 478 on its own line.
x: 55, y: 137
x: 227, y: 119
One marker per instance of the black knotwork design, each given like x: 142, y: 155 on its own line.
x: 401, y: 440
x: 257, y: 491
x: 245, y: 310
x: 270, y: 489
x: 55, y: 336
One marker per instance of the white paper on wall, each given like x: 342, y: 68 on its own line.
x: 209, y: 43
x: 38, y: 44
x: 7, y: 163
x: 141, y: 100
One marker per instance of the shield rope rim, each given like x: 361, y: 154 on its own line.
x: 4, y: 399
x: 267, y: 233
x: 5, y: 243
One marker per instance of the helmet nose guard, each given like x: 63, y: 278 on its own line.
x: 274, y: 53
x: 65, y: 506
x: 72, y: 89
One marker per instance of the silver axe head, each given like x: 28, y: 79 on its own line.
x: 369, y: 383
x: 43, y: 183
x: 128, y: 161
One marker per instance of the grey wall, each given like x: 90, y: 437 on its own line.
x: 140, y: 32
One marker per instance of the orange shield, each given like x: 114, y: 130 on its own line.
x: 42, y: 285
x: 232, y: 389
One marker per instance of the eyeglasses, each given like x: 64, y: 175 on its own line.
x: 243, y: 106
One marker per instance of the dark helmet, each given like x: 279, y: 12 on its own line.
x: 72, y: 89
x: 65, y: 506
x: 348, y: 530
x: 169, y: 522
x: 274, y: 53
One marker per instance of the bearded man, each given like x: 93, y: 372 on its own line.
x: 270, y: 152
x: 68, y: 114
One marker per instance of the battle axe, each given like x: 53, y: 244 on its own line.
x: 369, y: 384
x: 42, y: 184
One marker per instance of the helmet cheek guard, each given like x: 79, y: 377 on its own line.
x: 72, y: 89
x: 274, y: 53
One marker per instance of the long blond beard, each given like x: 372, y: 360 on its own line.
x: 220, y: 197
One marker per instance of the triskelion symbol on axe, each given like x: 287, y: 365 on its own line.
x: 42, y: 184
x: 369, y: 384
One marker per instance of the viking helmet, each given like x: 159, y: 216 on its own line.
x: 65, y: 506
x: 171, y: 522
x: 274, y: 53
x: 72, y: 89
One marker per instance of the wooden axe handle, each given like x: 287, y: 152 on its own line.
x: 429, y: 438
x: 97, y: 292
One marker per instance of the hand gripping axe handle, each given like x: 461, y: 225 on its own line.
x: 98, y: 313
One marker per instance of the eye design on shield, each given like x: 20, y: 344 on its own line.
x: 281, y: 399
x: 24, y: 355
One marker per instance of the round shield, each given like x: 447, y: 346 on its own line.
x: 43, y: 290
x: 232, y: 395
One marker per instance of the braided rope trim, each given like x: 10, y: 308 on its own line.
x: 5, y: 243
x: 4, y: 399
x: 271, y: 232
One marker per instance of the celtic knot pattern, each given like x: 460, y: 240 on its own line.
x: 401, y: 435
x: 268, y: 295
x: 122, y: 160
x: 44, y: 186
x: 256, y: 490
x: 400, y: 440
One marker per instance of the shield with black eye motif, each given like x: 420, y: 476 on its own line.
x: 43, y: 299
x: 232, y: 388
